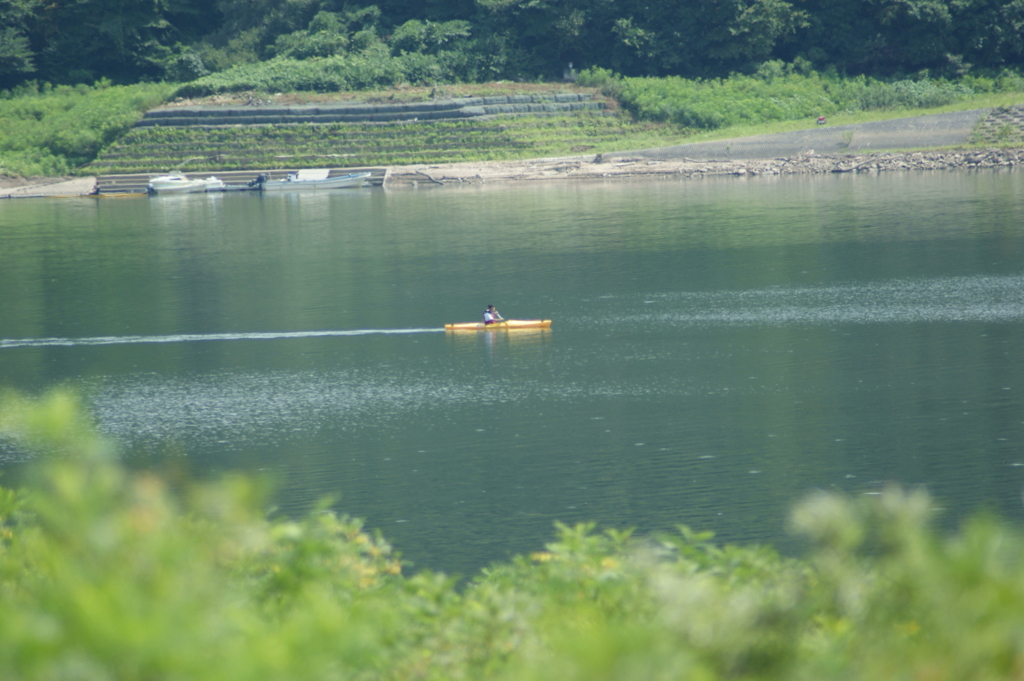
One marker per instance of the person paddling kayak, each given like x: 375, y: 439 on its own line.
x: 491, y: 315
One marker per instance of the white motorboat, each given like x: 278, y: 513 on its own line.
x: 177, y: 183
x: 316, y: 178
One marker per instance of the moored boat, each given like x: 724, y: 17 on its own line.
x: 506, y: 325
x: 316, y: 178
x: 177, y: 183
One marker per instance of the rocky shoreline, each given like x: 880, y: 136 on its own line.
x: 630, y: 166
x: 624, y: 166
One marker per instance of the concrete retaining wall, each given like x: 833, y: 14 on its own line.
x: 362, y: 112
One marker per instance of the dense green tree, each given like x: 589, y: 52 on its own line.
x: 397, y: 12
x: 123, y: 40
x: 16, y: 55
x: 891, y: 37
x: 548, y: 34
x: 991, y: 33
x: 700, y: 37
x: 644, y: 37
x: 71, y: 41
x: 254, y: 30
x: 428, y: 37
x: 326, y: 36
x: 267, y: 19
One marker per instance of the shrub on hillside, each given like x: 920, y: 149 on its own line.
x: 715, y: 103
x: 911, y: 94
x: 374, y: 67
x: 778, y: 92
x: 47, y: 130
x: 106, y: 574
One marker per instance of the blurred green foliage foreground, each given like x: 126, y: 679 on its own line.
x: 108, y: 575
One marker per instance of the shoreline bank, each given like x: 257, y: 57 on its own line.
x: 639, y: 165
x: 943, y: 142
x: 618, y: 166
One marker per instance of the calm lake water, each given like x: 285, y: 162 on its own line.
x: 719, y: 347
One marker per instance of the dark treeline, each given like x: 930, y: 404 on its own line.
x: 80, y: 41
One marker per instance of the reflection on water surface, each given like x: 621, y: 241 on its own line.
x: 718, y: 350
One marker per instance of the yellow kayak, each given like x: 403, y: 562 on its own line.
x: 507, y: 325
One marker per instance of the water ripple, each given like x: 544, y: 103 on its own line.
x: 241, y: 408
x: 956, y: 299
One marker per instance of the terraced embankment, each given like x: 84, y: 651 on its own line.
x: 1004, y: 125
x: 346, y: 135
x: 371, y: 112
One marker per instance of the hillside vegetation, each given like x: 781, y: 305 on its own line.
x: 56, y: 130
x: 88, y: 130
x: 360, y: 44
x: 106, y: 574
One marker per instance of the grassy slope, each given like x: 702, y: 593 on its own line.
x: 30, y: 153
x: 506, y: 138
x: 54, y: 130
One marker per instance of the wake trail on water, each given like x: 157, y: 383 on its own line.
x: 192, y: 338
